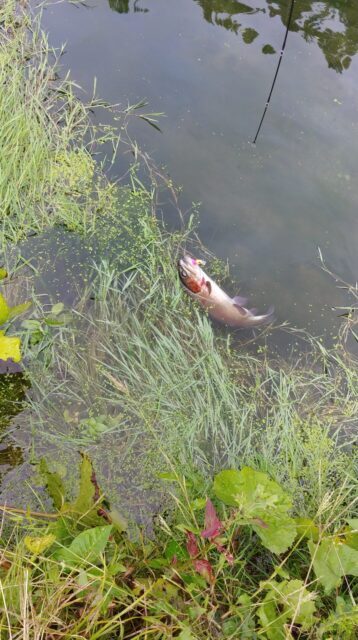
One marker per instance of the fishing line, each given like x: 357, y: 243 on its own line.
x: 277, y: 70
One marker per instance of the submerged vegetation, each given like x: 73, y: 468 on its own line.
x: 217, y: 490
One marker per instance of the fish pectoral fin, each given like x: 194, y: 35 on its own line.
x: 240, y: 301
x: 242, y: 310
x: 208, y: 284
x: 253, y: 311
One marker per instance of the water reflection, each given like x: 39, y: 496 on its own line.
x: 125, y: 6
x: 13, y: 387
x: 224, y: 13
x: 333, y: 25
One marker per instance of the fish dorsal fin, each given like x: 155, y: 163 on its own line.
x: 239, y: 301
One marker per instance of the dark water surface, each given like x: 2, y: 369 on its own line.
x: 208, y: 65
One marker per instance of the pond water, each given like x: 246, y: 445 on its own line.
x: 208, y: 65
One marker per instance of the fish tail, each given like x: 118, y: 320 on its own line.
x: 265, y: 318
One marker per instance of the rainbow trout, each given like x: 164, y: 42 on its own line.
x: 220, y: 306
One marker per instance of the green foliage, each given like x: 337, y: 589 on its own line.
x: 4, y: 310
x: 86, y: 547
x: 10, y: 346
x: 260, y: 502
x: 53, y: 484
x: 286, y: 601
x: 37, y: 545
x: 7, y: 313
x: 332, y: 559
x: 84, y: 508
x: 341, y: 624
x: 47, y: 173
x: 199, y: 571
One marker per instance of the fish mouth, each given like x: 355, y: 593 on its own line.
x: 187, y: 260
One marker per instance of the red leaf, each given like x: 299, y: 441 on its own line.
x: 205, y: 569
x: 213, y: 525
x: 191, y: 544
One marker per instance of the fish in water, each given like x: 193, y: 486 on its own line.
x: 220, y: 306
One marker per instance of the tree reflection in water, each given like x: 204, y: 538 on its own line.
x: 333, y: 24
x: 125, y: 6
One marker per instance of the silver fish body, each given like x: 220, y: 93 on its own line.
x: 230, y: 311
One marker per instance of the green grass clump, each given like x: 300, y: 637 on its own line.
x: 141, y: 354
x: 47, y: 172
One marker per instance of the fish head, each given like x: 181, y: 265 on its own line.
x: 191, y: 273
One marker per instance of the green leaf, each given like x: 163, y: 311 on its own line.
x: 31, y: 324
x: 307, y: 528
x: 3, y: 273
x: 286, y: 600
x: 271, y: 622
x: 332, y: 559
x: 250, y: 490
x: 4, y: 310
x: 198, y: 504
x: 88, y: 502
x: 118, y: 520
x: 10, y: 347
x: 280, y: 533
x: 186, y: 634
x: 54, y: 322
x: 87, y: 491
x: 158, y: 563
x: 19, y: 309
x: 173, y: 548
x: 57, y: 308
x: 353, y: 523
x: 351, y: 534
x: 171, y: 477
x: 40, y: 544
x: 62, y: 530
x: 53, y: 483
x: 258, y: 500
x: 341, y: 623
x: 7, y: 313
x: 86, y: 547
x: 299, y: 603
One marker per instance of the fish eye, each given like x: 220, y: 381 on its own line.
x: 183, y: 273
